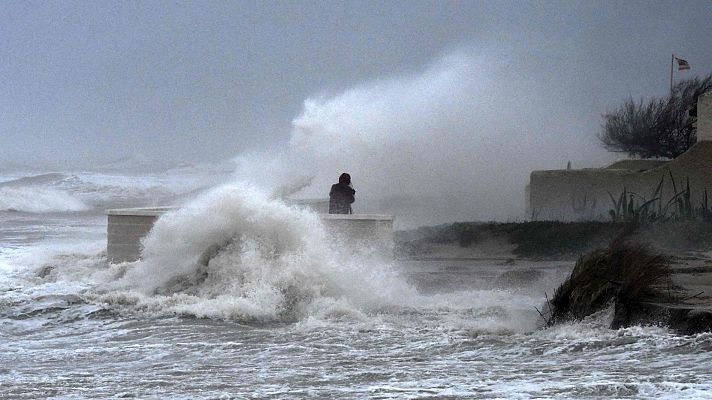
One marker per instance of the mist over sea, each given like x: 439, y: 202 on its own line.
x: 284, y: 312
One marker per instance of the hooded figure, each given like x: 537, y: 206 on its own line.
x: 341, y: 196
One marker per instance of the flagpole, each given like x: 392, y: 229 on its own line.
x: 672, y: 61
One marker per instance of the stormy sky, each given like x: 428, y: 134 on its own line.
x: 420, y: 89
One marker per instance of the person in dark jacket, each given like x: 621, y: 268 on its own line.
x: 341, y: 196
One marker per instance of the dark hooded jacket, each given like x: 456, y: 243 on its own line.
x: 341, y: 196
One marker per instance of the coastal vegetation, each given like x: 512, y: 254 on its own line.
x: 632, y: 207
x: 618, y: 274
x: 658, y: 127
x: 636, y: 280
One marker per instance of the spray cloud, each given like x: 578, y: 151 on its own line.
x: 454, y: 142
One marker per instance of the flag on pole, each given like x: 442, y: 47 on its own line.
x: 682, y: 64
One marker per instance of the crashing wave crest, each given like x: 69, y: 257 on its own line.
x: 36, y: 199
x: 235, y: 254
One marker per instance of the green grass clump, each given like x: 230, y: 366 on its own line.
x: 632, y: 207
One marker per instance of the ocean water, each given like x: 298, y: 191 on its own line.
x: 281, y: 310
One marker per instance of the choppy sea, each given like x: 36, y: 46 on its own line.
x: 281, y: 311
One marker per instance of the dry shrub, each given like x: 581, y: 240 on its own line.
x: 626, y: 273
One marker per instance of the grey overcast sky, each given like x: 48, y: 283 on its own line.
x: 93, y: 81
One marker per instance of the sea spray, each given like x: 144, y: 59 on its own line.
x: 234, y: 253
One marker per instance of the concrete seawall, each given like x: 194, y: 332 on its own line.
x: 126, y: 227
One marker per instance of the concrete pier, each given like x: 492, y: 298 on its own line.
x: 127, y: 226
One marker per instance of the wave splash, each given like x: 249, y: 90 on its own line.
x: 236, y: 254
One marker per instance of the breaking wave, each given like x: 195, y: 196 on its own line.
x: 38, y: 194
x: 42, y: 179
x: 236, y: 254
x: 36, y: 199
x: 57, y: 192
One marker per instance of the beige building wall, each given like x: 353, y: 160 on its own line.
x: 704, y: 118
